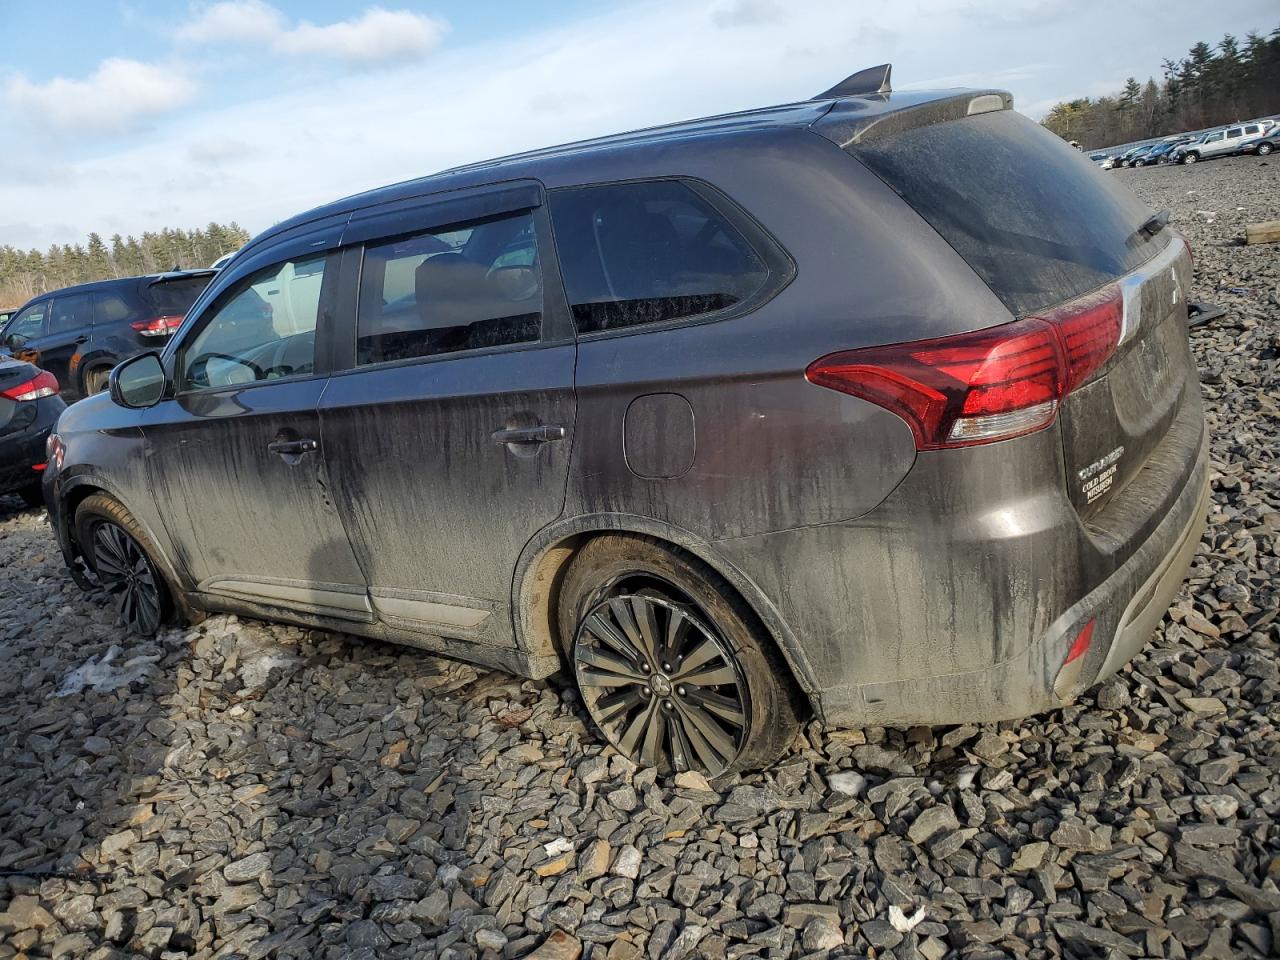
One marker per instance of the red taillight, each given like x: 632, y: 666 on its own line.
x: 1081, y: 646
x: 987, y: 385
x: 43, y: 385
x: 158, y: 326
x: 1089, y: 329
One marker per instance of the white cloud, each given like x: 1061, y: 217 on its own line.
x: 113, y: 97
x: 239, y: 20
x: 266, y: 147
x: 377, y: 37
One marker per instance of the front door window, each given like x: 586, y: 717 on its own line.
x: 265, y: 330
x: 27, y: 325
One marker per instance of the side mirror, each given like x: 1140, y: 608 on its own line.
x: 139, y: 382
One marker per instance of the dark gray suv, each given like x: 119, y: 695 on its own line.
x: 878, y: 407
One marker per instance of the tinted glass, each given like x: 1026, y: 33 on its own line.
x: 109, y: 307
x: 1034, y: 220
x: 266, y: 329
x: 27, y: 325
x: 465, y: 288
x: 175, y: 297
x: 1234, y: 132
x: 634, y: 253
x: 70, y: 313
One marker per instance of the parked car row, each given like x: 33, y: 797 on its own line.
x: 825, y: 408
x: 79, y: 333
x: 1259, y: 136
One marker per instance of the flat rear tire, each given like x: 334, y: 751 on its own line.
x: 674, y: 669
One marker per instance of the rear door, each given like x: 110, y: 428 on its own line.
x: 447, y: 436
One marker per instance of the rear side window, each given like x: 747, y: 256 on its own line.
x: 173, y: 298
x: 648, y: 252
x: 467, y: 287
x: 1038, y: 223
x: 109, y: 307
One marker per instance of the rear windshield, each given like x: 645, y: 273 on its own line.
x: 175, y: 297
x: 1036, y: 220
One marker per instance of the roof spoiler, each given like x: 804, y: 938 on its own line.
x: 864, y: 82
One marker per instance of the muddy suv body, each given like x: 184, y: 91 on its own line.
x: 878, y: 406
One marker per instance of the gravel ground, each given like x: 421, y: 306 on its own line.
x: 241, y: 789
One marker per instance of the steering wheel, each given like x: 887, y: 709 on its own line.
x: 258, y: 372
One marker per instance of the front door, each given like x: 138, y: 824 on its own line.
x: 448, y: 437
x: 235, y: 455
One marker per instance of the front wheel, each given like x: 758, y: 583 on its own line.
x: 673, y: 668
x: 119, y: 553
x: 1190, y: 158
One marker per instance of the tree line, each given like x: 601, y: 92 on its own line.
x: 1211, y: 86
x: 26, y: 273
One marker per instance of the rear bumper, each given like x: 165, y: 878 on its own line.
x: 22, y: 451
x: 958, y: 599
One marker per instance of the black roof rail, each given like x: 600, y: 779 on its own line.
x: 870, y: 80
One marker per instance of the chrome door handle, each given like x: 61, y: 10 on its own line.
x: 286, y: 448
x: 539, y: 434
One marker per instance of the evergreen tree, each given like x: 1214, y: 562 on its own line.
x: 26, y: 273
x: 1213, y: 85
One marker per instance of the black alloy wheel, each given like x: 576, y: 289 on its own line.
x: 125, y: 571
x: 665, y: 689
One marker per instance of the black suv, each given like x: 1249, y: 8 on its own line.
x: 79, y: 333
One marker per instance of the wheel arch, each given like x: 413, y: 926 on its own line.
x: 73, y: 492
x: 89, y: 363
x: 542, y: 564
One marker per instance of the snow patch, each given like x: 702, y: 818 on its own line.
x: 100, y: 676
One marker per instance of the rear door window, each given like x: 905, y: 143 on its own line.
x: 649, y: 252
x: 70, y: 313
x: 1028, y: 214
x: 467, y: 287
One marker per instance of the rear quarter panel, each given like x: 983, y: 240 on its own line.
x: 772, y: 451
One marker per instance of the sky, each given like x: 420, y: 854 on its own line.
x: 121, y: 116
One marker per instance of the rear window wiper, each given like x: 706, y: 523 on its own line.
x: 1153, y: 224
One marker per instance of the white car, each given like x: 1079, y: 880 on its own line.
x: 1224, y: 142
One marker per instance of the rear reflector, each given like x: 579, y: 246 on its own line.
x: 1067, y: 683
x: 987, y: 385
x: 158, y: 326
x: 45, y: 384
x: 1081, y: 646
